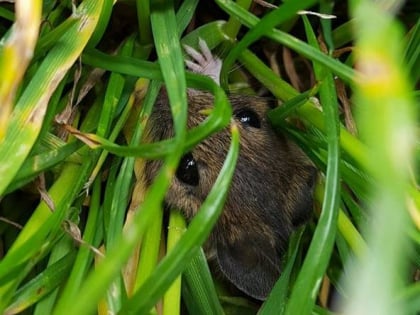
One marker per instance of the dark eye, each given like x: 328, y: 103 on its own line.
x: 187, y: 171
x: 248, y: 117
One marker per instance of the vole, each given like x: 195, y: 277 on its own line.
x: 271, y: 190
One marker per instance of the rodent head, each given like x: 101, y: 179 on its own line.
x: 270, y: 194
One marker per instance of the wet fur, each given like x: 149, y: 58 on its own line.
x: 270, y: 194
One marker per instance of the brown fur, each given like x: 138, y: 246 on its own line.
x: 270, y: 194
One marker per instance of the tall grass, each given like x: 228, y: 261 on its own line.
x: 81, y: 234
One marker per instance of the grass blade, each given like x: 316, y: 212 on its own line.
x: 16, y: 54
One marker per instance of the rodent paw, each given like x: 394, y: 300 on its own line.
x: 203, y: 61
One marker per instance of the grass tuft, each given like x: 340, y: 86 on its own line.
x: 81, y: 234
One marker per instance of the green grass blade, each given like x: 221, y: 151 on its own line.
x: 47, y: 41
x: 233, y: 25
x: 185, y: 14
x: 212, y: 33
x: 35, y: 165
x: 172, y: 297
x: 41, y: 285
x: 198, y: 290
x: 7, y: 14
x: 102, y: 23
x: 143, y: 16
x: 171, y: 63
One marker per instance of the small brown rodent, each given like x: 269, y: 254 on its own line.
x: 271, y: 190
x: 270, y: 194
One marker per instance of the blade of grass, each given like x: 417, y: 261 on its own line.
x: 7, y: 14
x: 137, y: 270
x: 143, y: 16
x: 198, y: 290
x: 62, y: 248
x: 39, y: 163
x: 47, y: 41
x: 15, y: 55
x: 117, y: 211
x: 171, y: 63
x: 172, y: 297
x: 41, y: 285
x: 101, y: 23
x: 233, y: 25
x: 212, y: 33
x: 185, y: 14
x: 326, y: 7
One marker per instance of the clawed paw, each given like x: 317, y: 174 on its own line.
x: 203, y: 61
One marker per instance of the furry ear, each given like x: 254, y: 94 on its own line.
x: 251, y: 264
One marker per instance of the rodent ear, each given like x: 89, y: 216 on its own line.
x: 251, y: 264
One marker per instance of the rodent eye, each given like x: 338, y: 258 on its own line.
x: 248, y: 117
x: 187, y: 171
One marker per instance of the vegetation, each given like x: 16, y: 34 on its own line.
x: 80, y: 234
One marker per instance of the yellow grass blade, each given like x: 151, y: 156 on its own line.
x: 16, y: 55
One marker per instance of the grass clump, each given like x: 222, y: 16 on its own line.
x: 80, y: 234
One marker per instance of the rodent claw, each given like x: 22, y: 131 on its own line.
x: 204, y: 61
